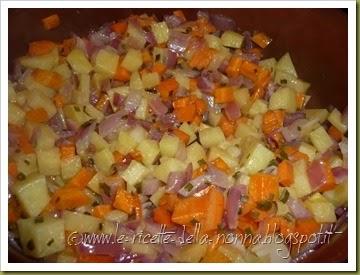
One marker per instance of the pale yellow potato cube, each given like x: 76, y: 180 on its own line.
x: 49, y: 161
x: 321, y: 140
x: 104, y: 159
x: 79, y: 62
x: 106, y: 62
x: 169, y: 145
x: 211, y: 136
x: 161, y: 32
x: 134, y: 173
x: 149, y: 150
x: 132, y: 60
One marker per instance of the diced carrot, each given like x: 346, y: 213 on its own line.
x: 200, y: 106
x: 249, y: 70
x: 136, y: 155
x: 22, y: 139
x: 202, y: 58
x: 202, y: 27
x: 38, y: 115
x: 220, y: 164
x: 186, y: 114
x: 101, y: 210
x: 224, y: 94
x: 127, y: 202
x: 122, y: 74
x: 118, y: 157
x: 285, y: 173
x: 162, y: 216
x: 159, y: 68
x: 263, y: 187
x: 215, y: 256
x: 189, y: 210
x: 184, y: 137
x: 307, y: 226
x: 247, y: 207
x: 12, y: 169
x: 146, y: 56
x: 69, y: 198
x: 95, y: 258
x: 335, y: 133
x: 294, y: 154
x: 215, y: 210
x: 278, y: 223
x: 168, y: 201
x: 51, y: 22
x: 82, y: 178
x: 193, y: 84
x: 67, y: 151
x: 48, y: 78
x: 182, y: 102
x: 233, y: 68
x: 228, y: 127
x: 59, y: 100
x: 166, y: 87
x: 261, y: 39
x: 300, y: 100
x: 119, y: 27
x: 180, y: 14
x: 67, y: 46
x: 263, y: 78
x: 247, y: 225
x: 41, y: 47
x: 272, y: 121
x: 199, y: 171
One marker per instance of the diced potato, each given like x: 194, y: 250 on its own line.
x: 63, y: 70
x: 309, y: 150
x: 269, y: 64
x: 70, y: 167
x: 258, y: 107
x: 339, y: 195
x: 182, y: 79
x: 273, y: 250
x: 160, y: 54
x: 21, y: 97
x: 138, y: 133
x: 195, y: 152
x: 257, y: 121
x: 191, y: 253
x: 155, y: 198
x: 282, y: 208
x: 32, y: 194
x: 106, y: 62
x: 148, y: 249
x: 167, y: 166
x: 244, y: 130
x: 49, y: 161
x: 26, y: 163
x: 289, y: 80
x: 169, y: 145
x: 136, y: 34
x: 41, y: 238
x: 126, y: 142
x: 149, y: 150
x: 308, y: 126
x: 335, y: 118
x: 232, y: 39
x: 39, y: 100
x: 45, y: 62
x: 301, y: 181
x: 98, y: 141
x: 45, y: 137
x: 213, y: 41
x: 11, y: 93
x: 142, y: 110
x: 81, y: 96
x: 336, y: 161
x: 321, y: 140
x: 232, y: 253
x: 211, y: 136
x: 94, y: 113
x: 78, y: 222
x: 76, y: 113
x: 242, y: 97
x: 214, y: 118
x: 186, y: 128
x: 104, y: 159
x: 321, y: 208
x: 136, y: 82
x: 16, y: 115
x: 221, y: 55
x: 116, y: 216
x: 285, y: 64
x: 216, y: 152
x: 132, y: 60
x: 161, y: 32
x: 283, y: 98
x: 79, y: 62
x: 66, y: 257
x: 34, y: 86
x: 319, y: 114
x: 97, y: 79
x: 150, y: 80
x: 258, y: 159
x: 94, y: 183
x: 134, y: 173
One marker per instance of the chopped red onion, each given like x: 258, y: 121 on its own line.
x: 168, y: 120
x: 298, y: 209
x: 340, y: 173
x: 118, y: 100
x: 317, y: 174
x: 236, y: 81
x: 132, y: 101
x: 171, y: 59
x: 233, y: 204
x: 181, y: 153
x: 178, y: 42
x: 158, y: 107
x: 150, y: 186
x: 293, y: 132
x: 270, y: 89
x: 57, y: 122
x: 173, y: 21
x: 176, y: 181
x: 292, y: 117
x: 248, y: 44
x: 222, y: 22
x: 150, y: 38
x: 232, y: 110
x: 111, y: 124
x: 83, y: 139
x: 155, y: 134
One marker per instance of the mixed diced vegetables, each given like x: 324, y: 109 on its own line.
x: 179, y: 123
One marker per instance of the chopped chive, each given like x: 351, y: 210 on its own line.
x: 264, y: 205
x: 39, y: 219
x: 188, y: 187
x: 284, y: 196
x: 50, y: 242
